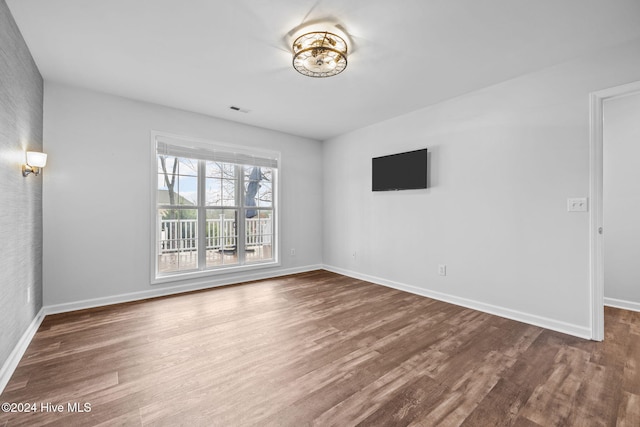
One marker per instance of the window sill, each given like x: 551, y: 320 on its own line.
x: 178, y: 277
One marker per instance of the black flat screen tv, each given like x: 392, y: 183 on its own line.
x: 402, y: 171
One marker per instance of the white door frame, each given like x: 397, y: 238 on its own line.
x: 596, y: 249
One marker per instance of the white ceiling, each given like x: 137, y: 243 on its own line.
x: 206, y: 55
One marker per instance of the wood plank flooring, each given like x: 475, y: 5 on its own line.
x: 321, y: 349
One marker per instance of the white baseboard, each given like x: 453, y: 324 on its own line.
x: 619, y: 303
x: 14, y: 358
x: 205, y: 283
x: 532, y: 319
x: 12, y: 361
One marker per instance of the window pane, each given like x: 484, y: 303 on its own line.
x: 177, y: 181
x: 187, y: 167
x: 221, y: 191
x: 222, y: 237
x: 265, y: 195
x: 187, y: 191
x: 177, y: 240
x: 252, y: 176
x: 163, y: 191
x: 257, y: 188
x: 267, y: 174
x: 228, y: 170
x: 165, y: 163
x: 165, y: 178
x: 214, y: 170
x: 184, y: 192
x: 259, y: 236
x: 214, y: 192
x: 229, y: 192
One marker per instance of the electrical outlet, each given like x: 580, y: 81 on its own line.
x: 28, y: 294
x: 293, y: 251
x: 354, y: 254
x: 442, y: 269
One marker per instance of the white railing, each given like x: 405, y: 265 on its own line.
x: 181, y: 234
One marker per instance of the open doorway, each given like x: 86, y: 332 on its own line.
x: 621, y: 201
x: 599, y: 102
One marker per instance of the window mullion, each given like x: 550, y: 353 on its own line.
x: 274, y: 214
x: 241, y: 215
x: 202, y: 216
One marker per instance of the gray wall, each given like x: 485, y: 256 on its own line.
x: 503, y: 162
x: 101, y: 253
x: 21, y: 89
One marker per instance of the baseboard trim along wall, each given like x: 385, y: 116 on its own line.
x: 14, y: 358
x: 11, y: 363
x: 555, y: 325
x: 205, y: 283
x: 619, y: 303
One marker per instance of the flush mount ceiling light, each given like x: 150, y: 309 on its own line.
x: 319, y: 54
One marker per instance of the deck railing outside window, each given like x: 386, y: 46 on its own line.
x: 181, y: 234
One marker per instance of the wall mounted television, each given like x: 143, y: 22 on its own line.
x: 402, y: 171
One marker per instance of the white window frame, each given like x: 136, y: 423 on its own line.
x: 211, y: 146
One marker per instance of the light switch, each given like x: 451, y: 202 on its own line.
x: 577, y: 204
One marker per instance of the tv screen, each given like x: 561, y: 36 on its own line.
x: 402, y: 171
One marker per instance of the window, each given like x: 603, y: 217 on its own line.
x: 215, y: 208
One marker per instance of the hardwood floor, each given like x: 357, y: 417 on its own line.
x: 321, y: 349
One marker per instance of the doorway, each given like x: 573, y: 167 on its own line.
x: 596, y: 225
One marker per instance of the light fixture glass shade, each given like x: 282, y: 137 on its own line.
x: 319, y: 54
x: 36, y: 160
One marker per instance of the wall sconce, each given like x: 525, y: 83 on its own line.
x: 35, y: 162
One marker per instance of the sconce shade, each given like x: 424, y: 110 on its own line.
x: 319, y: 54
x: 36, y: 160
